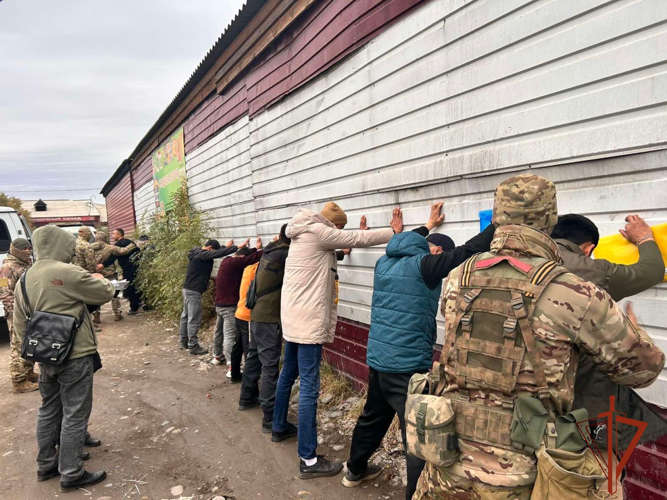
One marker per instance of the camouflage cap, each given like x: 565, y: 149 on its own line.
x: 85, y: 232
x: 526, y: 199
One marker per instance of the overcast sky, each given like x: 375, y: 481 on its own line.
x: 82, y: 81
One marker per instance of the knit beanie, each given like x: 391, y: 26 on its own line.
x: 334, y: 213
x: 526, y: 199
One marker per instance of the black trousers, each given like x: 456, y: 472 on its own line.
x: 240, y: 347
x: 263, y: 358
x: 387, y: 393
x: 133, y: 295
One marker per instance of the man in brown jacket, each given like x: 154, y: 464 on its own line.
x: 56, y: 286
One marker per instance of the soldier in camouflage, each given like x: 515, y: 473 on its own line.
x: 571, y: 318
x: 102, y: 252
x: 84, y: 256
x: 17, y: 262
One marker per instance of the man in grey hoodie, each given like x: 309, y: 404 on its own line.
x: 56, y: 286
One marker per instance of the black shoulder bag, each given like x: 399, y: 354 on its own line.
x: 49, y: 337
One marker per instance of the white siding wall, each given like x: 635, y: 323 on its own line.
x: 144, y: 203
x: 454, y: 98
x: 219, y: 182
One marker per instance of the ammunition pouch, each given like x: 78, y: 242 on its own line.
x: 430, y: 425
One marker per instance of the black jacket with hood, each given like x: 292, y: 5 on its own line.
x: 200, y: 265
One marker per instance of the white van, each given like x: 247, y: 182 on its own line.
x: 12, y: 225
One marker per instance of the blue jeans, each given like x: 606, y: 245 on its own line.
x: 301, y: 360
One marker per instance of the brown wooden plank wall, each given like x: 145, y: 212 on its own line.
x: 120, y: 206
x: 216, y: 113
x: 320, y: 38
x: 143, y: 173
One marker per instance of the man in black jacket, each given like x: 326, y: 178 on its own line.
x: 126, y: 263
x: 200, y: 265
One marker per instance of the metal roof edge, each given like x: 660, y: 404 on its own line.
x: 240, y: 21
x: 122, y: 169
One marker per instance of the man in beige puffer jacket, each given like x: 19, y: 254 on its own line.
x: 309, y: 315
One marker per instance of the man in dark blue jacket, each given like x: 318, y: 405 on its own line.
x: 406, y: 292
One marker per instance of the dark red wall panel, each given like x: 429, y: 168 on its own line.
x: 143, y: 173
x: 316, y: 41
x: 215, y: 114
x: 120, y: 206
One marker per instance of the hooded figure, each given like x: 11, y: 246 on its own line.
x: 17, y: 262
x: 516, y: 323
x: 54, y: 285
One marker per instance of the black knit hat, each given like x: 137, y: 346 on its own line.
x: 441, y: 240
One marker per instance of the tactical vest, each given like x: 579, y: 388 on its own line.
x: 490, y: 336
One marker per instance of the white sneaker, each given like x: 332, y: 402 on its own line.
x: 229, y: 374
x: 216, y: 361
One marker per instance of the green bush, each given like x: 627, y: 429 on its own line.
x: 164, y: 263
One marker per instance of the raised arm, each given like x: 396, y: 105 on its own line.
x: 629, y: 280
x: 331, y: 238
x: 436, y: 267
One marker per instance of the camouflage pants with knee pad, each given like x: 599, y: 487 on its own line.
x: 19, y: 368
x: 440, y: 484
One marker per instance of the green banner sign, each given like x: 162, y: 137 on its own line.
x: 168, y: 170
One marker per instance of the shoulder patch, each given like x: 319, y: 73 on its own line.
x: 4, y: 282
x: 57, y: 282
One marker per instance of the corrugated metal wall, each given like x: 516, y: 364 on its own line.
x: 144, y: 203
x: 120, y: 207
x: 451, y: 99
x: 220, y: 182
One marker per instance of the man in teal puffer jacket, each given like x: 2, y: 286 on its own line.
x: 406, y: 292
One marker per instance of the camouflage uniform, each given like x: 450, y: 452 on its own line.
x: 13, y: 267
x: 84, y: 256
x: 571, y: 316
x: 102, y: 252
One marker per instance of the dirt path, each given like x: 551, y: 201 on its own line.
x: 152, y: 413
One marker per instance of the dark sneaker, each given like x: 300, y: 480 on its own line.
x: 322, y: 468
x: 247, y: 405
x: 85, y: 456
x: 267, y: 426
x: 48, y: 474
x: 91, y: 442
x: 184, y: 347
x: 290, y: 432
x: 235, y: 380
x: 132, y: 313
x: 88, y: 479
x: 198, y: 351
x: 351, y: 480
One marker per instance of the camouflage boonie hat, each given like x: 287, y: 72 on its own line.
x: 85, y: 232
x: 526, y: 199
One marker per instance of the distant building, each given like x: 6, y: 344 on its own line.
x: 66, y: 212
